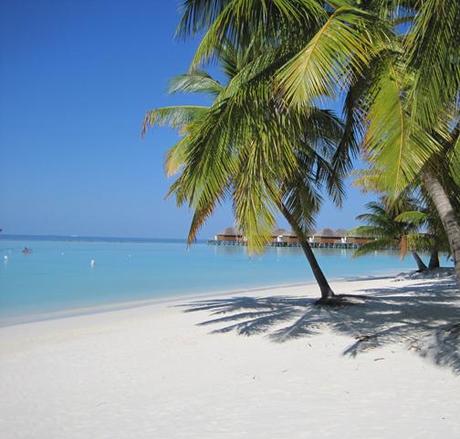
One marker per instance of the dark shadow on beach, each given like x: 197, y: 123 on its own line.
x: 424, y: 317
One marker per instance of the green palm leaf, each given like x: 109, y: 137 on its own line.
x: 195, y: 82
x: 239, y: 20
x: 394, y: 143
x: 179, y: 116
x: 339, y: 51
x: 413, y: 217
x: 434, y: 52
x: 373, y: 246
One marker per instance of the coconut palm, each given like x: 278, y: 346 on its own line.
x: 434, y: 239
x: 417, y: 210
x: 396, y: 60
x: 250, y: 148
x: 405, y: 106
x: 402, y: 99
x: 384, y: 224
x: 402, y: 151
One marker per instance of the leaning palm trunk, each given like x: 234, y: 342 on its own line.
x: 434, y: 259
x: 326, y: 291
x: 420, y: 264
x: 446, y: 213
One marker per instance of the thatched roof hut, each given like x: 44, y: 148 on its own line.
x: 327, y: 232
x: 229, y: 234
x: 283, y: 235
x: 230, y: 231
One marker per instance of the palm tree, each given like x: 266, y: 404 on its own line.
x: 396, y: 61
x: 416, y: 210
x: 249, y: 147
x: 403, y: 151
x: 402, y: 96
x: 406, y: 107
x: 389, y: 232
x: 434, y: 239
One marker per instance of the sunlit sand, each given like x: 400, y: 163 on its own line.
x: 385, y: 368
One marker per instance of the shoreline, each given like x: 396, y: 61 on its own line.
x: 117, y: 306
x: 160, y: 371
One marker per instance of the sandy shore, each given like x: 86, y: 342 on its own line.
x: 159, y: 372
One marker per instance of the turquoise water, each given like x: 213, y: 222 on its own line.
x: 58, y: 276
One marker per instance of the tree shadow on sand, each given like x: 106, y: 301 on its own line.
x: 424, y: 317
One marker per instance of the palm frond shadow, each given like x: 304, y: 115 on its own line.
x: 424, y: 317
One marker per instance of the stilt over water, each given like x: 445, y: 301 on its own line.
x: 337, y: 245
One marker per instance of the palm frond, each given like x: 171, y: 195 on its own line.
x: 373, y: 246
x: 175, y: 157
x: 369, y: 231
x: 433, y: 46
x: 239, y: 20
x: 394, y: 144
x: 195, y: 82
x: 343, y: 47
x: 412, y: 217
x: 198, y: 15
x: 421, y: 242
x: 177, y: 117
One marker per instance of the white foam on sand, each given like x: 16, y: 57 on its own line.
x: 152, y: 372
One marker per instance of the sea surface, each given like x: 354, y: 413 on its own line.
x: 59, y: 275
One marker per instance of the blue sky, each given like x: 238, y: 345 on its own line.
x: 76, y: 78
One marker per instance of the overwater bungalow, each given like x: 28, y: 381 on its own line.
x: 229, y: 235
x: 339, y: 238
x: 326, y: 238
x: 281, y: 236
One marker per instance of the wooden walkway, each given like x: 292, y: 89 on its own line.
x: 335, y: 245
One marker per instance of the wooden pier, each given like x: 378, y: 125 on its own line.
x: 283, y: 238
x: 333, y: 245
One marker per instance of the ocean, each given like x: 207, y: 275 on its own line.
x: 68, y: 274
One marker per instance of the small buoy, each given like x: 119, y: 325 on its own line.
x: 5, y: 258
x: 93, y: 263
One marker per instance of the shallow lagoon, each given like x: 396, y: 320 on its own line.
x: 58, y: 275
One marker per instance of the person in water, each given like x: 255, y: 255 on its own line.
x: 26, y: 251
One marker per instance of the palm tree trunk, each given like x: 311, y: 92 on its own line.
x: 326, y: 291
x: 447, y: 214
x: 434, y: 259
x: 325, y: 288
x: 420, y: 264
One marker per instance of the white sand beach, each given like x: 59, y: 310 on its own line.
x: 153, y: 372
